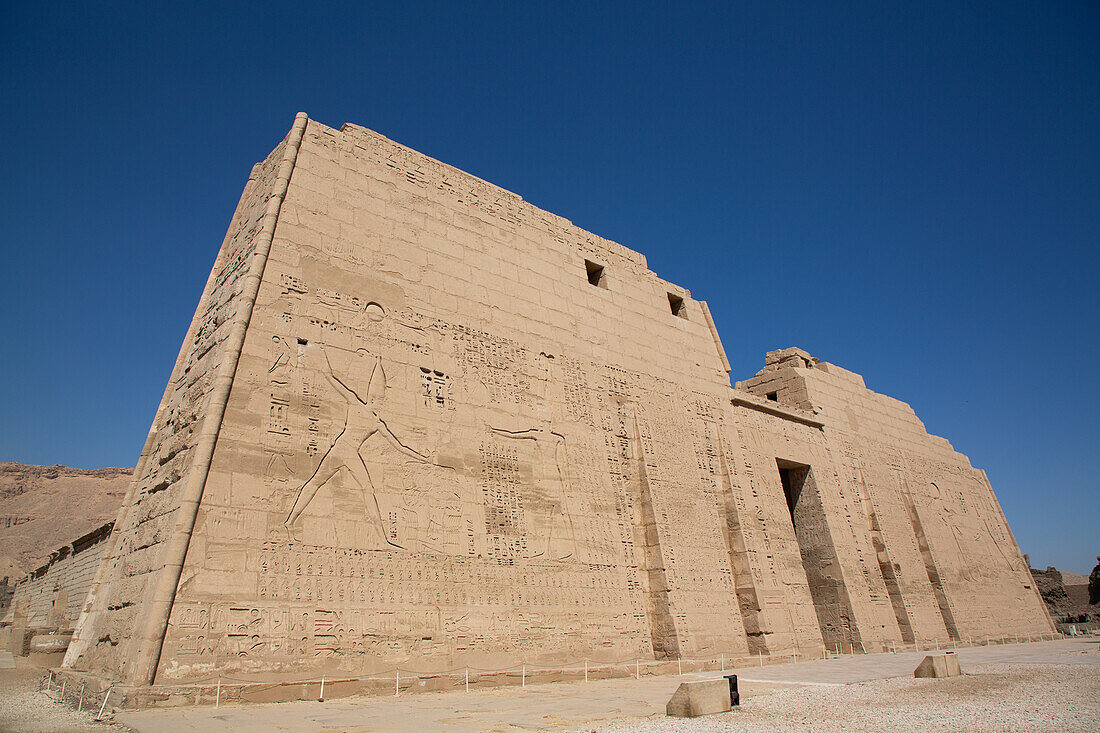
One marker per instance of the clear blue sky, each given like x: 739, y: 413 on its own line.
x: 910, y: 190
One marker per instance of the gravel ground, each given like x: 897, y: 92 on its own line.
x: 994, y: 697
x: 26, y: 709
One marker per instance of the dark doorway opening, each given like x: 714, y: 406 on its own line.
x: 819, y: 556
x: 793, y: 477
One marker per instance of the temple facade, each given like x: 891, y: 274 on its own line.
x: 418, y: 422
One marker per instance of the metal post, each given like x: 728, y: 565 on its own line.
x: 322, y: 697
x: 63, y: 683
x: 218, y: 697
x: 104, y: 705
x: 397, y: 683
x: 80, y: 705
x: 637, y: 669
x: 586, y: 670
x: 467, y: 679
x: 760, y: 658
x: 679, y: 667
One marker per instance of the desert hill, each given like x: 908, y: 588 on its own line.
x: 1069, y: 578
x: 1066, y: 595
x: 45, y: 507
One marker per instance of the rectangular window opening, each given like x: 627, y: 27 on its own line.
x: 676, y: 304
x: 595, y: 274
x: 773, y: 396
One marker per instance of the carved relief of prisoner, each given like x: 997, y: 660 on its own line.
x: 361, y: 423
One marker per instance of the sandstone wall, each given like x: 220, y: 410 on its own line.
x: 108, y: 636
x: 944, y: 551
x: 462, y: 431
x: 53, y: 595
x: 445, y: 446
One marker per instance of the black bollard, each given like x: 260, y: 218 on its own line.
x: 735, y: 696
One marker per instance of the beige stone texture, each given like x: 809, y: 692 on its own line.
x: 938, y: 666
x: 52, y: 596
x: 420, y: 423
x: 906, y: 502
x: 705, y: 697
x: 44, y: 507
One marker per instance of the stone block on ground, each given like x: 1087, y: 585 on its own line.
x: 50, y: 643
x: 692, y: 699
x: 939, y: 665
x: 19, y: 640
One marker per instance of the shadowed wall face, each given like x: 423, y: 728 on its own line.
x: 819, y: 557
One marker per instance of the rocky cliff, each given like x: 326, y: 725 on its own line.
x: 1066, y: 595
x: 44, y: 507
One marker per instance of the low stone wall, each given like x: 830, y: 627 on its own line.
x: 52, y: 596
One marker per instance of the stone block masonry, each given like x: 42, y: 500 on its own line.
x: 419, y: 422
x: 52, y: 596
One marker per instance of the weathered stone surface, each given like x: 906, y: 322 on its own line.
x: 693, y: 699
x: 18, y: 639
x: 52, y: 596
x: 50, y: 643
x: 44, y: 507
x: 1067, y: 597
x: 417, y: 422
x: 939, y: 665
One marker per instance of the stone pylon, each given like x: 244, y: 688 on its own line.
x: 417, y: 422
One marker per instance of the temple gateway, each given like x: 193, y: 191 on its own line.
x: 417, y: 422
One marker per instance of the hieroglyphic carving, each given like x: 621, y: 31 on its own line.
x: 443, y: 445
x: 361, y: 423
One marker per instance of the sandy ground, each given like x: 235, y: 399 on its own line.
x: 995, y: 697
x: 1052, y: 686
x: 25, y: 708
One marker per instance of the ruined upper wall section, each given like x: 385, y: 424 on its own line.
x: 839, y: 397
x: 52, y: 596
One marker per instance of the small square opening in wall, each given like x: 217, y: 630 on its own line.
x: 676, y: 304
x: 595, y: 274
x: 773, y: 396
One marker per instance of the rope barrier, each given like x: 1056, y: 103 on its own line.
x: 577, y: 667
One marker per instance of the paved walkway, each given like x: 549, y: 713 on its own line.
x: 565, y: 705
x: 847, y: 669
